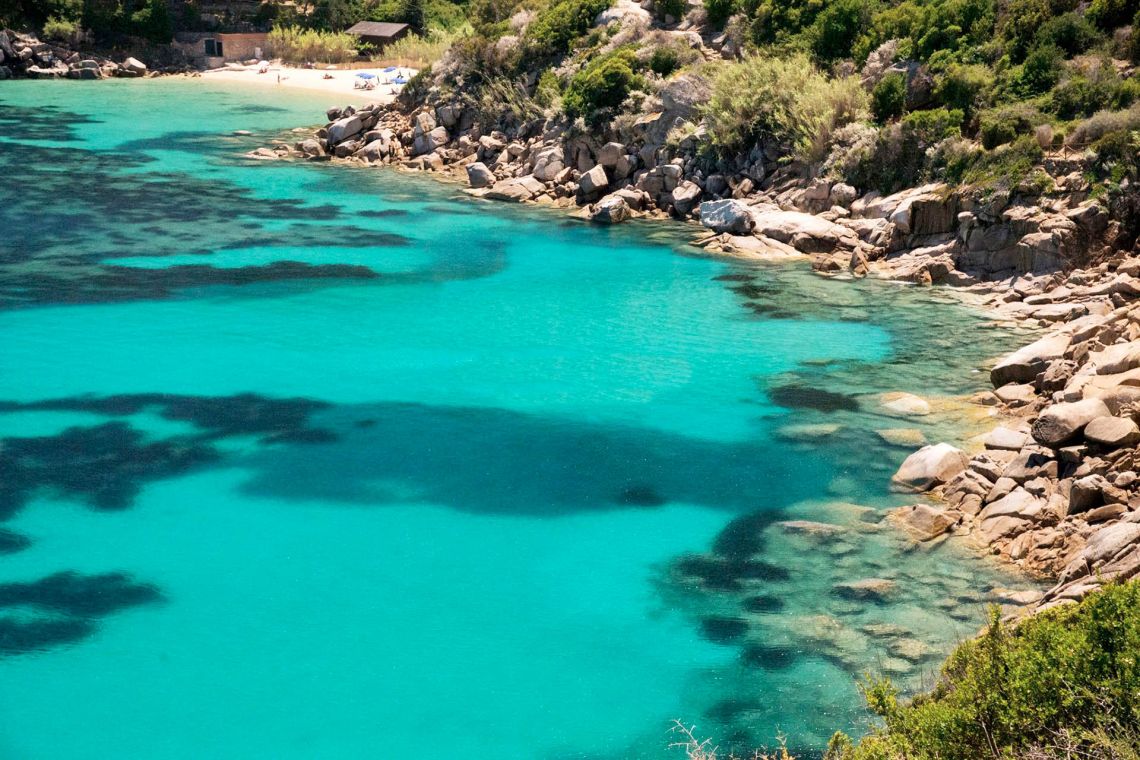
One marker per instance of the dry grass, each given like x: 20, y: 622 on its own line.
x: 295, y: 45
x: 704, y: 749
x: 418, y: 52
x: 787, y: 99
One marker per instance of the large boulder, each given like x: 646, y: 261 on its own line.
x: 1025, y: 364
x: 342, y: 129
x: 134, y: 66
x: 1112, y: 432
x: 728, y: 215
x: 925, y: 522
x: 685, y: 196
x: 610, y: 153
x: 1109, y: 541
x: 429, y: 142
x: 478, y: 175
x: 610, y: 210
x: 548, y: 163
x: 516, y: 189
x: 1063, y: 422
x: 806, y: 233
x: 929, y: 467
x: 593, y: 181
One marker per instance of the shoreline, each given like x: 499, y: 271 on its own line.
x: 1067, y: 282
x: 291, y: 78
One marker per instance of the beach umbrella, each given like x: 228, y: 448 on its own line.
x: 390, y: 69
x: 366, y: 75
x: 400, y: 80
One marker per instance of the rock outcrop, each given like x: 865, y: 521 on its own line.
x: 22, y: 55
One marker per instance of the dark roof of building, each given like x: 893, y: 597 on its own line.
x: 376, y: 29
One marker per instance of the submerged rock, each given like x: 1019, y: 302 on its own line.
x: 929, y: 467
x: 867, y: 589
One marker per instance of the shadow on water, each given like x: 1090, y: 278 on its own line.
x: 41, y: 123
x: 475, y: 459
x: 64, y: 608
x: 58, y: 253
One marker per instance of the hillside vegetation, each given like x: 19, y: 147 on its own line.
x: 882, y: 95
x: 1062, y: 684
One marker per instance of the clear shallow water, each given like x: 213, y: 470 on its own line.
x: 339, y: 463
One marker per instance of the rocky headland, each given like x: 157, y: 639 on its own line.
x: 24, y: 55
x: 1054, y: 488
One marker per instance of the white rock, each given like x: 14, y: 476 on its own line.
x: 906, y: 404
x: 727, y: 216
x: 929, y: 467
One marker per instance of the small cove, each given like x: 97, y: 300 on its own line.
x: 389, y: 471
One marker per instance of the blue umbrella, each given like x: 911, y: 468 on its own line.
x: 390, y: 68
x: 400, y: 80
x: 366, y: 75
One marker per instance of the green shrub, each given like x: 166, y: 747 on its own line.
x: 779, y: 20
x: 1064, y: 683
x: 1041, y: 70
x: 888, y: 99
x: 967, y: 88
x: 1134, y: 40
x: 664, y: 60
x: 1116, y: 146
x: 557, y: 26
x: 1071, y: 32
x: 934, y: 125
x: 1127, y: 93
x: 785, y: 98
x: 60, y: 29
x: 898, y: 157
x: 548, y: 89
x: 1018, y: 25
x: 444, y: 15
x: 602, y: 85
x: 152, y: 21
x: 719, y: 10
x: 670, y: 8
x: 1111, y: 14
x: 835, y: 29
x: 1079, y: 97
x: 1003, y: 125
x: 297, y: 45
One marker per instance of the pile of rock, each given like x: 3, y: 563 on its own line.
x: 927, y: 235
x: 370, y: 134
x: 1056, y: 488
x: 22, y: 55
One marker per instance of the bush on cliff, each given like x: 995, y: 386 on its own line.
x: 602, y: 85
x: 888, y: 99
x: 1065, y: 683
x: 560, y: 24
x: 786, y: 99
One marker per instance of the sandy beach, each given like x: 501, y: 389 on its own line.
x: 326, y: 81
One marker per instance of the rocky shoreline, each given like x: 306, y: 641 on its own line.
x: 1053, y: 490
x: 23, y: 55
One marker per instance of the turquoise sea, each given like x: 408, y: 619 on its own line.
x: 310, y: 461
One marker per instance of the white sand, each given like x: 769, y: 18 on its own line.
x: 340, y: 84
